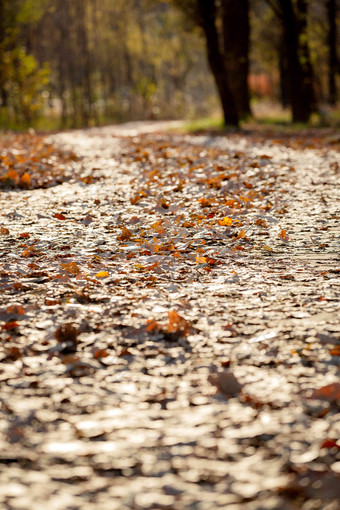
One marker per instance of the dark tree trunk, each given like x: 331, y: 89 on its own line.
x: 283, y: 71
x: 207, y: 13
x: 62, y: 21
x: 298, y: 62
x: 236, y: 31
x: 332, y: 51
x: 3, y: 92
x: 304, y: 54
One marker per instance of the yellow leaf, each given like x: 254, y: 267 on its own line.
x: 226, y: 222
x: 201, y: 260
x: 102, y: 274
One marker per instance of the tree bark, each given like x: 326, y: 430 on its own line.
x: 207, y: 14
x: 298, y: 62
x: 236, y: 32
x: 332, y: 51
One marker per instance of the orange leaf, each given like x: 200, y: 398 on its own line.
x: 26, y: 179
x: 12, y: 175
x: 102, y: 274
x: 10, y: 325
x: 25, y: 235
x: 152, y: 325
x: 336, y: 351
x: 152, y: 266
x: 261, y: 222
x: 15, y: 309
x: 241, y: 234
x: 177, y: 324
x: 283, y: 235
x: 226, y: 222
x: 71, y: 267
x: 99, y: 353
x: 206, y: 202
x: 201, y: 260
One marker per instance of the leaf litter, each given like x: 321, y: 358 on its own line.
x: 169, y: 319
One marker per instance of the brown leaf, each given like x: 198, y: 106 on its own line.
x: 71, y: 267
x: 4, y: 231
x: 226, y: 383
x: 125, y: 235
x: 67, y: 333
x: 60, y: 216
x: 330, y: 392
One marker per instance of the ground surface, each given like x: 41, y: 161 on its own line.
x: 170, y: 323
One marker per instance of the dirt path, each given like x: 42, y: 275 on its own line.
x: 179, y: 363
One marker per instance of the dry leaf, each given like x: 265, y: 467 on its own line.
x: 60, y: 216
x: 71, y: 267
x: 4, y: 231
x: 102, y: 274
x: 226, y: 222
x: 125, y: 235
x: 25, y: 179
x: 330, y: 392
x: 226, y: 383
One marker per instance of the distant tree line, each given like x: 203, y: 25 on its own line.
x: 95, y: 61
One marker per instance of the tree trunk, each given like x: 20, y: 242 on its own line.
x: 207, y: 12
x: 236, y: 31
x: 283, y: 72
x: 304, y: 54
x: 332, y: 51
x: 298, y: 62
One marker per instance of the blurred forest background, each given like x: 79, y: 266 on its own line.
x: 68, y: 63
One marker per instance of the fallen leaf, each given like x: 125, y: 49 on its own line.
x: 102, y: 274
x: 330, y: 443
x: 336, y: 351
x: 283, y: 235
x: 60, y: 216
x: 25, y: 179
x: 226, y: 222
x: 71, y: 267
x: 330, y: 392
x: 4, y: 231
x: 125, y: 235
x: 226, y: 383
